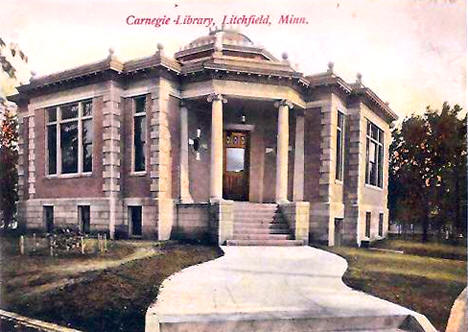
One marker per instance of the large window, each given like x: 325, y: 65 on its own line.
x: 139, y: 134
x: 340, y: 146
x: 70, y: 138
x: 374, y: 155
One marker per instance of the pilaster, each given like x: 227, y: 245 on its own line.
x: 111, y: 114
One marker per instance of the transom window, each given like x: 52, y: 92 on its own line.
x: 70, y: 138
x: 374, y: 155
x: 340, y: 146
x: 139, y: 134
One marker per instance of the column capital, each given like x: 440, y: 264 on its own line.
x: 182, y: 103
x: 216, y: 96
x: 284, y: 102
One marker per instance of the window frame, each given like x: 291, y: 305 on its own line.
x: 339, y: 163
x: 135, y: 115
x: 58, y: 122
x: 379, y: 155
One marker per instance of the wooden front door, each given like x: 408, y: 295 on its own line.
x: 236, y: 165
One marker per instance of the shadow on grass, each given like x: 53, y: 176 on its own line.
x: 115, y: 299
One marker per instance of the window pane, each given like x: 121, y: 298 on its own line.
x: 380, y: 224
x: 339, y: 155
x: 381, y: 136
x: 380, y: 167
x: 52, y: 114
x: 140, y: 104
x: 140, y: 142
x: 374, y: 131
x: 87, y: 108
x: 69, y: 147
x: 372, y: 148
x: 48, y: 214
x: 235, y: 159
x: 52, y: 148
x: 340, y: 120
x: 85, y: 216
x: 69, y: 111
x: 368, y: 223
x: 87, y: 145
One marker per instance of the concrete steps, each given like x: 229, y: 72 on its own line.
x: 257, y: 224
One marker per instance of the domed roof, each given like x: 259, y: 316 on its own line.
x: 228, y: 37
x: 226, y: 41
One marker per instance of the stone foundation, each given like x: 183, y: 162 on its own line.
x: 192, y: 222
x: 297, y: 216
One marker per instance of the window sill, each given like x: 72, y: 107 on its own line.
x: 340, y: 182
x: 142, y: 173
x: 69, y: 176
x: 370, y: 186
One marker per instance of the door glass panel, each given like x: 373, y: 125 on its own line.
x: 235, y: 159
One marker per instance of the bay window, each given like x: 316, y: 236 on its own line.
x: 70, y: 138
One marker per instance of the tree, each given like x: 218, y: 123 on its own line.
x: 13, y: 71
x: 8, y: 162
x: 428, y: 169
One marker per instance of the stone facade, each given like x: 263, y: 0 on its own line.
x: 217, y: 83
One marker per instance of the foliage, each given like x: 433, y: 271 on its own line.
x: 13, y: 71
x: 8, y: 162
x: 427, y: 182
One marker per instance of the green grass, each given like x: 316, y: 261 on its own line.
x: 421, y: 281
x: 434, y: 249
x: 114, y: 299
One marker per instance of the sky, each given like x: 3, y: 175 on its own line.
x: 412, y: 53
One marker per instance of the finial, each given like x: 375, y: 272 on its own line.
x: 387, y: 103
x: 359, y: 78
x: 284, y: 56
x: 33, y: 74
x: 160, y: 47
x: 111, y: 53
x: 330, y: 67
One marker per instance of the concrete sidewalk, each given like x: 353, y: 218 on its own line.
x: 274, y: 289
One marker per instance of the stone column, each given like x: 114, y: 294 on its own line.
x: 185, y: 196
x: 282, y: 151
x: 298, y: 186
x: 216, y: 166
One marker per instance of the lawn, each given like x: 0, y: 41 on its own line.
x: 421, y: 279
x: 102, y: 293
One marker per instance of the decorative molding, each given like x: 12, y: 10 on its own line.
x: 216, y: 97
x: 284, y: 102
x: 243, y: 127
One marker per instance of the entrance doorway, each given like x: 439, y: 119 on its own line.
x: 236, y: 165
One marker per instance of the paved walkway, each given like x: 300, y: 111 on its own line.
x: 259, y: 281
